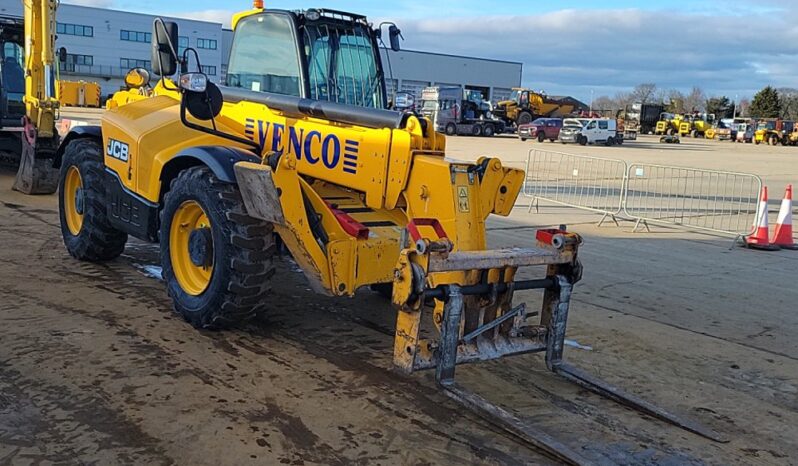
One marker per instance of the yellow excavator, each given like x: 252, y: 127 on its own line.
x: 299, y: 146
x: 28, y: 105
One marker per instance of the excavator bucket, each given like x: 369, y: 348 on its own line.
x: 36, y: 173
x: 477, y: 321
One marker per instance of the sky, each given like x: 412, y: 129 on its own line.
x: 579, y: 47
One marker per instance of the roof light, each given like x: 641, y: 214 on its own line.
x: 313, y: 15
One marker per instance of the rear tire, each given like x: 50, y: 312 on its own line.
x: 488, y: 131
x: 610, y: 141
x: 476, y: 130
x: 774, y: 140
x: 82, y: 203
x: 237, y: 248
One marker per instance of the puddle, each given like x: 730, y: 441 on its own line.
x: 575, y: 344
x: 152, y: 271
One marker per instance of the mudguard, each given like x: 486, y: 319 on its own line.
x: 78, y: 132
x: 219, y: 159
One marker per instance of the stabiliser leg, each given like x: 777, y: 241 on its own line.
x: 444, y: 375
x: 555, y: 310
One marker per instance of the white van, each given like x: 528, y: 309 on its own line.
x: 594, y: 131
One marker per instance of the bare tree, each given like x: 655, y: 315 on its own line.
x: 675, y: 101
x: 695, y: 101
x: 605, y: 102
x: 644, y: 93
x: 744, y: 108
x: 789, y: 103
x: 622, y: 99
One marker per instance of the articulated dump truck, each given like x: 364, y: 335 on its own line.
x: 359, y: 196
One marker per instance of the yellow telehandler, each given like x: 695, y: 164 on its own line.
x: 299, y: 146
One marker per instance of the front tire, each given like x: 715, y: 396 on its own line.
x: 524, y: 118
x: 82, y: 203
x: 582, y: 140
x: 451, y: 129
x: 541, y: 137
x: 217, y: 260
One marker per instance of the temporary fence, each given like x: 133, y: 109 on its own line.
x: 708, y: 200
x: 589, y: 183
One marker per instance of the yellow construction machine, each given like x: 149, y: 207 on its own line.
x: 696, y: 125
x: 526, y: 105
x: 299, y: 146
x: 668, y: 124
x: 28, y: 106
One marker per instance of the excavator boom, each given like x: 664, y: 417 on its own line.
x: 39, y: 138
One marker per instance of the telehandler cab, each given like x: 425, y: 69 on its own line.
x: 299, y: 146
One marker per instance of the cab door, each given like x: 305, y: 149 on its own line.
x: 591, y: 131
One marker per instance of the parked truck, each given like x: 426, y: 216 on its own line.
x: 640, y: 118
x: 455, y: 111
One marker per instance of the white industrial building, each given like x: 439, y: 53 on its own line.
x: 102, y: 45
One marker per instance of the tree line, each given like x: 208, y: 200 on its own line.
x: 767, y: 103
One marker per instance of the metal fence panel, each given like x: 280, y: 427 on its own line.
x: 584, y: 182
x: 711, y: 200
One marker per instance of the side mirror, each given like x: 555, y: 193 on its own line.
x: 394, y: 34
x: 203, y: 99
x: 164, y: 43
x: 137, y: 78
x: 62, y: 54
x: 403, y: 100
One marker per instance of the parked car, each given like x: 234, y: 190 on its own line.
x: 541, y: 129
x: 571, y: 130
x: 591, y: 131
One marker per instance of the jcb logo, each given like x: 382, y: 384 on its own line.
x: 117, y: 149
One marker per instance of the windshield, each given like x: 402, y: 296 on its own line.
x: 430, y: 105
x: 341, y: 60
x: 539, y: 121
x: 264, y: 56
x: 341, y: 64
x: 572, y: 123
x: 514, y: 95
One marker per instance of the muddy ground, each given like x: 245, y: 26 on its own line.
x: 96, y: 368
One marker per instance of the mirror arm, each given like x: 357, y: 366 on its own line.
x: 214, y: 131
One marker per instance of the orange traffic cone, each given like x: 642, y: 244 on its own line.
x: 783, y: 235
x: 760, y: 238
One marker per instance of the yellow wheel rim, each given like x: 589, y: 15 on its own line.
x: 192, y: 278
x: 73, y: 200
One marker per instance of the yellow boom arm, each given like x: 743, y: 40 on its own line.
x: 40, y: 101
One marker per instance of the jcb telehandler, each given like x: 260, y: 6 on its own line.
x: 298, y: 146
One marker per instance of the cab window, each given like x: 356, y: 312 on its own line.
x: 264, y: 56
x: 591, y: 125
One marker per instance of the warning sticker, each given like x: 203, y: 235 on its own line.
x: 462, y: 199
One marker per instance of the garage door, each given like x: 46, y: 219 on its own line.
x: 500, y: 93
x: 390, y: 87
x: 414, y: 87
